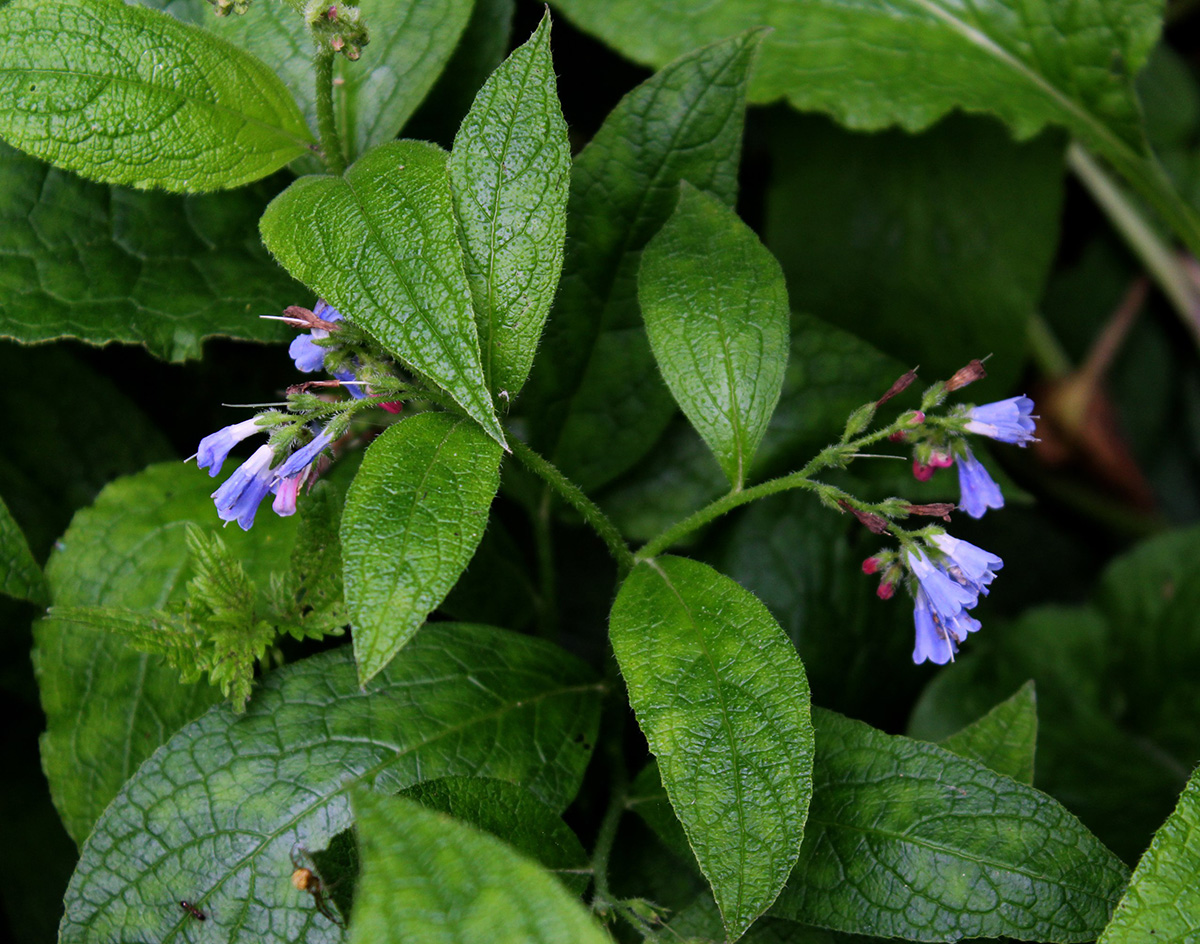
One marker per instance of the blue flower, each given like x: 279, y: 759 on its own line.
x: 307, y: 355
x: 348, y: 378
x: 979, y: 490
x: 299, y: 460
x: 1009, y: 421
x: 214, y: 448
x: 239, y: 496
x: 968, y: 565
x: 938, y: 633
x: 945, y: 594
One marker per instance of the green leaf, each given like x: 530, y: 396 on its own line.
x: 510, y: 812
x: 212, y: 817
x: 1005, y: 739
x: 716, y: 311
x: 908, y: 840
x: 20, y: 576
x: 700, y: 923
x: 915, y: 243
x: 101, y: 264
x: 380, y: 245
x: 1162, y: 903
x: 510, y: 169
x: 310, y: 598
x: 411, y: 42
x: 107, y: 706
x: 722, y: 699
x: 1071, y: 65
x: 598, y: 399
x: 429, y: 878
x: 413, y: 518
x: 126, y: 95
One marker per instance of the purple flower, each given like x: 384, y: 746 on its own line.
x: 1009, y: 421
x: 307, y: 355
x: 286, y: 492
x: 299, y: 460
x: 239, y: 496
x: 938, y: 633
x: 979, y: 491
x: 945, y: 594
x: 354, y: 388
x: 214, y: 448
x: 968, y: 565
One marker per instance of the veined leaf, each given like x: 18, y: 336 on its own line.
x: 126, y: 95
x: 1005, y: 739
x: 1046, y: 63
x: 722, y: 699
x: 20, y: 576
x: 598, y: 399
x: 380, y: 245
x: 102, y: 263
x: 108, y: 706
x: 510, y: 812
x: 427, y: 878
x: 1162, y: 903
x: 716, y: 311
x: 413, y: 518
x: 212, y: 817
x: 411, y: 42
x: 908, y: 840
x: 510, y: 169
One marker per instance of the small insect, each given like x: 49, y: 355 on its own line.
x: 304, y: 879
x: 193, y: 911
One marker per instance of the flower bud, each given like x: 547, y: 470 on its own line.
x: 885, y: 591
x: 921, y: 471
x: 940, y: 460
x: 915, y: 418
x: 871, y: 565
x: 898, y: 436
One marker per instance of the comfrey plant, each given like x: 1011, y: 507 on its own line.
x: 498, y: 583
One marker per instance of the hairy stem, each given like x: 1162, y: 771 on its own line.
x: 547, y: 591
x: 569, y: 492
x: 331, y: 143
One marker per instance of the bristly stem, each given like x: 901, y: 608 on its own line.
x: 543, y: 524
x: 331, y: 143
x: 569, y: 492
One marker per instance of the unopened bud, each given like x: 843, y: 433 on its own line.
x: 885, y: 591
x: 941, y: 460
x: 898, y: 436
x: 858, y: 421
x: 915, y: 418
x: 393, y: 406
x: 902, y: 383
x: 870, y: 565
x: 966, y: 375
x: 921, y: 471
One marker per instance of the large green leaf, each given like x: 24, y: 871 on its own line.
x: 510, y: 812
x: 510, y: 169
x: 108, y: 706
x: 876, y: 63
x: 1162, y: 903
x: 716, y: 311
x: 212, y: 817
x: 380, y: 245
x: 596, y: 394
x: 411, y: 42
x: 908, y: 840
x: 427, y: 878
x: 126, y: 95
x: 1005, y: 739
x: 722, y: 699
x: 20, y: 576
x: 102, y: 263
x: 915, y: 243
x: 413, y: 518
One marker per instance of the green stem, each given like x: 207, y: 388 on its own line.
x: 569, y: 492
x: 331, y: 143
x: 1159, y: 258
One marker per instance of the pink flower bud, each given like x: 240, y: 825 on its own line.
x: 915, y: 418
x: 921, y: 471
x: 941, y: 460
x: 870, y: 565
x: 885, y: 591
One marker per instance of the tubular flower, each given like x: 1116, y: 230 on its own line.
x: 302, y: 458
x: 979, y: 490
x: 239, y: 496
x: 286, y: 492
x: 1008, y: 421
x: 938, y: 633
x: 940, y: 614
x: 307, y: 355
x: 214, y: 448
x: 970, y: 566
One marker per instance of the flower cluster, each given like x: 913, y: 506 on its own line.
x: 947, y: 576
